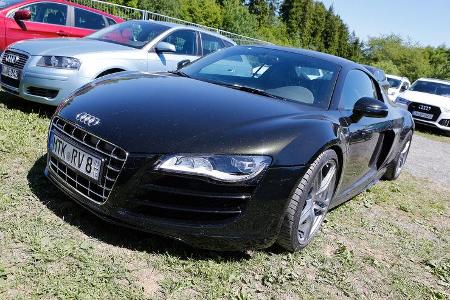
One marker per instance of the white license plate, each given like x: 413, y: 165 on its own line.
x: 10, y: 72
x: 422, y: 115
x: 76, y: 158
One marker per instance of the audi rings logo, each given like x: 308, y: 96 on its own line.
x: 87, y: 119
x: 11, y: 58
x: 424, y: 107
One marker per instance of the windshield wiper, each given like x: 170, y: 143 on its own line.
x: 250, y: 90
x: 180, y: 73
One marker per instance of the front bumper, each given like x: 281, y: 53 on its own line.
x: 44, y: 85
x: 442, y: 122
x: 203, y: 213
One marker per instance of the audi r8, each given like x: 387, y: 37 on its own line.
x: 229, y: 159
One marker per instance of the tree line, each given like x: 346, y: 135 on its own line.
x: 307, y: 24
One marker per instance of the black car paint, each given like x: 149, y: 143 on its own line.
x: 182, y: 115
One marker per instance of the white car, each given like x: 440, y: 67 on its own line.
x: 397, y: 85
x: 428, y: 100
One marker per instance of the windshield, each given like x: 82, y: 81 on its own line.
x: 283, y: 74
x: 8, y: 3
x: 134, y: 34
x: 394, y: 83
x: 428, y: 87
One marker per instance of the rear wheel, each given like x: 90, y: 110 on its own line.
x: 309, y: 203
x: 395, y: 167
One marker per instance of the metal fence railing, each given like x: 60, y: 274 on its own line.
x: 129, y: 13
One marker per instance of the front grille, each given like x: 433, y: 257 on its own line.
x: 188, y: 200
x: 115, y: 159
x: 41, y: 92
x: 10, y: 82
x: 445, y: 122
x: 6, y: 89
x: 434, y: 110
x: 23, y: 58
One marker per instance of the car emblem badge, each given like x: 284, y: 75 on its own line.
x: 11, y: 58
x: 87, y: 119
x: 424, y: 107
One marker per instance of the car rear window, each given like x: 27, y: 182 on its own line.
x: 89, y: 20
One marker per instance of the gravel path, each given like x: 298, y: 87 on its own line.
x: 429, y: 159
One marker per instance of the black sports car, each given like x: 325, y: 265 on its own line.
x: 240, y: 149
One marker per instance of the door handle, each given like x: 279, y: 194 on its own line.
x: 62, y: 33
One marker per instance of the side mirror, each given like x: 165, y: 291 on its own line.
x: 165, y: 47
x: 403, y: 88
x: 369, y: 107
x: 183, y: 64
x: 20, y: 16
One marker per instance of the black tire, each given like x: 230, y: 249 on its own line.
x: 395, y: 168
x: 289, y: 237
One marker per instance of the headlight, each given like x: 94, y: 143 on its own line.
x: 402, y: 101
x: 234, y: 168
x: 60, y: 62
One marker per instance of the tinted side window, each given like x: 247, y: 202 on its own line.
x: 185, y: 41
x: 50, y: 13
x: 357, y: 85
x: 88, y: 20
x: 211, y: 44
x: 227, y: 43
x: 111, y: 21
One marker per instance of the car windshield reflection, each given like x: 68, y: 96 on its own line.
x: 284, y: 75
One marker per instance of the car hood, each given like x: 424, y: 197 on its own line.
x: 67, y: 46
x: 425, y: 98
x: 162, y: 113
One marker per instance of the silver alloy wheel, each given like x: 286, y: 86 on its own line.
x: 317, y: 202
x: 402, y: 157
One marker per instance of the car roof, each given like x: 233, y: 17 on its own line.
x: 182, y: 26
x: 319, y: 55
x: 397, y: 77
x: 434, y: 80
x: 114, y: 17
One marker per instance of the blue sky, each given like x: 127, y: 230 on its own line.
x: 424, y: 21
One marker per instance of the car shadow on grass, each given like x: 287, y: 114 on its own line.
x: 16, y: 103
x: 74, y: 214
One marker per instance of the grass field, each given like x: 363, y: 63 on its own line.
x: 391, y: 242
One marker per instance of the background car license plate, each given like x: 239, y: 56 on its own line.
x: 10, y: 72
x: 78, y: 159
x: 422, y: 115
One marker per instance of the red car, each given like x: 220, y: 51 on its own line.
x: 28, y: 19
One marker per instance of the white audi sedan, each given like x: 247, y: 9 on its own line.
x: 49, y: 70
x: 428, y: 100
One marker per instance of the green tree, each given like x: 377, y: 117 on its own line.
x: 237, y: 18
x: 331, y: 32
x: 205, y: 12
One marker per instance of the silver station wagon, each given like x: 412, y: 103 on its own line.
x: 49, y: 70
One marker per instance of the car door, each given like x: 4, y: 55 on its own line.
x: 86, y: 22
x: 48, y: 20
x: 364, y: 136
x: 186, y: 45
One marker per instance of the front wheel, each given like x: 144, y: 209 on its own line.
x: 309, y: 203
